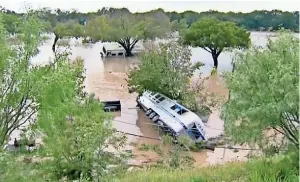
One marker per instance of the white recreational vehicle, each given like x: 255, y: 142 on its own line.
x: 172, y: 116
x: 114, y: 49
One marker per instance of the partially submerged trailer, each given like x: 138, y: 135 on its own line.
x: 112, y: 106
x: 113, y: 49
x: 171, y: 116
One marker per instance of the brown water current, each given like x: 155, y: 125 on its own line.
x: 110, y: 83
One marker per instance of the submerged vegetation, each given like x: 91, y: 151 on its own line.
x: 216, y: 36
x: 264, y: 92
x: 76, y: 132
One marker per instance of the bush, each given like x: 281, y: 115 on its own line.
x: 280, y: 168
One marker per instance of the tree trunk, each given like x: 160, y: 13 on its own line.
x: 55, y: 41
x: 215, y: 52
x: 128, y: 46
x: 233, y: 69
x: 215, y: 58
x: 128, y: 51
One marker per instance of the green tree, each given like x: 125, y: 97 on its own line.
x: 264, y: 92
x: 11, y: 22
x: 68, y: 29
x: 127, y: 29
x: 179, y: 25
x: 166, y: 70
x: 18, y: 85
x: 75, y: 130
x: 215, y: 36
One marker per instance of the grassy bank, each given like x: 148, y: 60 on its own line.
x: 283, y: 169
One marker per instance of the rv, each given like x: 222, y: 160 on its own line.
x: 171, y: 116
x: 114, y: 49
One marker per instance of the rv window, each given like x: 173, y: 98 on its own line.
x: 182, y: 111
x: 196, y: 132
x: 161, y: 99
x: 173, y: 107
x: 157, y: 96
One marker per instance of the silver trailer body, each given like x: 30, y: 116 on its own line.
x: 114, y: 49
x: 171, y: 115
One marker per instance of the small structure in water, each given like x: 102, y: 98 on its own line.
x: 114, y: 49
x: 112, y: 106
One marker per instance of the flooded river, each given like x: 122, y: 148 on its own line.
x: 106, y: 78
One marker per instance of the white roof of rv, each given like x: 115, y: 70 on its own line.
x: 176, y: 126
x: 118, y: 47
x: 187, y: 118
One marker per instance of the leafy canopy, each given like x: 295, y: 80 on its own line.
x: 165, y: 69
x: 51, y: 99
x: 107, y: 28
x: 70, y: 28
x: 264, y: 91
x: 215, y: 34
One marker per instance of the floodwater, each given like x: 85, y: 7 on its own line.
x: 107, y: 79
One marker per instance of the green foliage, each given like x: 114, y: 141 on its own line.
x: 69, y: 29
x: 255, y: 20
x: 215, y: 36
x: 147, y: 147
x: 74, y: 126
x: 264, y: 91
x: 127, y: 29
x: 165, y: 70
x: 174, y: 155
x: 270, y: 170
x: 11, y: 22
x: 179, y: 26
x: 18, y: 85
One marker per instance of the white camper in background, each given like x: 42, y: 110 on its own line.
x: 172, y: 116
x: 114, y: 49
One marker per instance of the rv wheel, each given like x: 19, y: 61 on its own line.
x: 152, y: 115
x: 155, y: 118
x: 148, y: 112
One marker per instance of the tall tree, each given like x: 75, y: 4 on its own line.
x: 166, y: 69
x: 126, y: 30
x: 71, y: 28
x: 215, y: 36
x: 75, y: 129
x: 264, y: 92
x: 24, y: 87
x: 11, y: 22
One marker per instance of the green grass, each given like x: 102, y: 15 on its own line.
x: 279, y: 169
x: 147, y: 147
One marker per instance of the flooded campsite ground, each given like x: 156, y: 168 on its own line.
x: 106, y: 78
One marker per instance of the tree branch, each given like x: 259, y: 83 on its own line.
x: 289, y: 132
x: 133, y: 44
x: 25, y: 120
x: 8, y: 88
x: 206, y: 49
x: 278, y: 131
x: 219, y: 52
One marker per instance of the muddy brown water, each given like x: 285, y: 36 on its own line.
x: 106, y: 78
